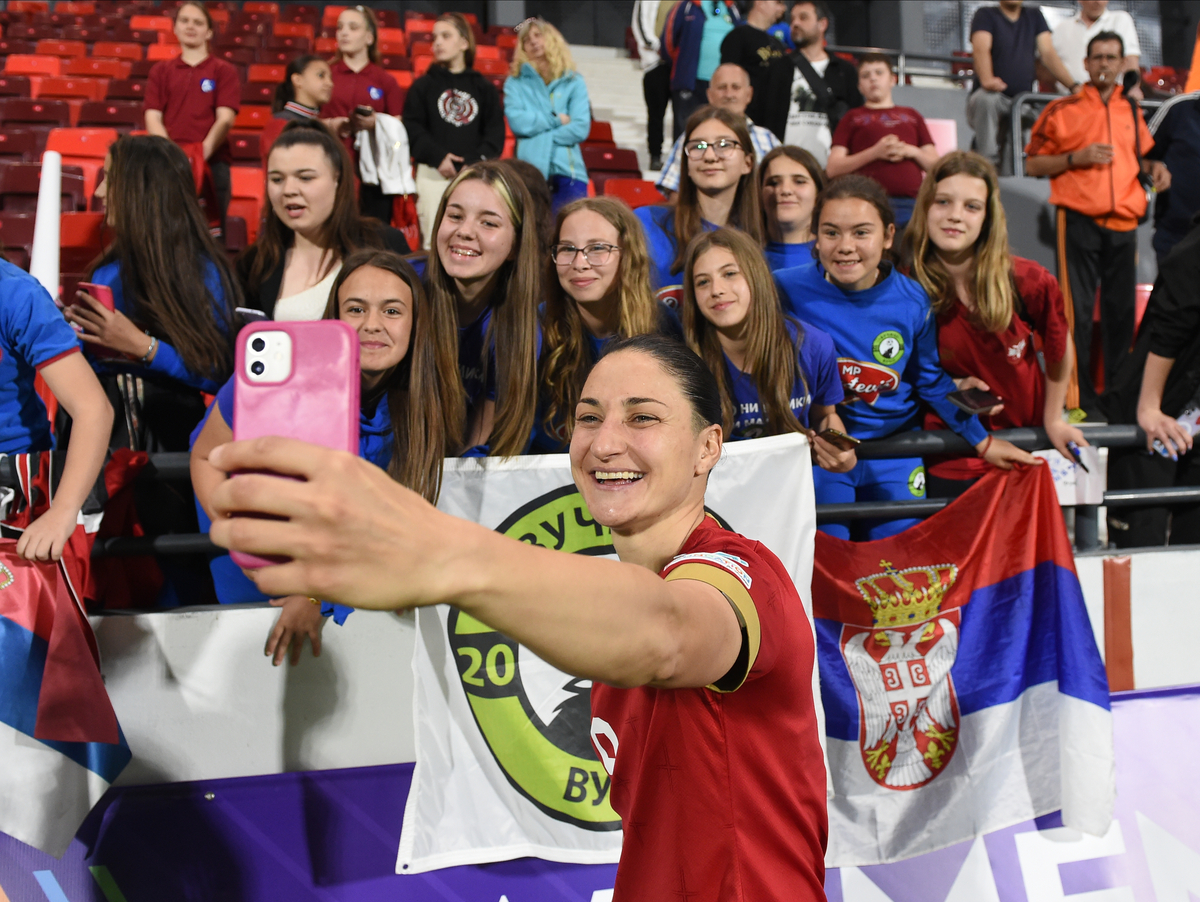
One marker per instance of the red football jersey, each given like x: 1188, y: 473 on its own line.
x: 721, y: 792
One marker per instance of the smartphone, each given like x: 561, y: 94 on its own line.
x: 297, y: 380
x: 839, y: 438
x: 363, y: 110
x: 102, y: 293
x: 973, y: 400
x: 251, y: 315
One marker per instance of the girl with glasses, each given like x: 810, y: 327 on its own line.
x: 600, y: 291
x: 716, y: 188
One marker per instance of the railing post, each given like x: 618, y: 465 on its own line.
x: 1087, y: 527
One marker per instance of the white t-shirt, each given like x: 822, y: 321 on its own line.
x: 806, y: 127
x: 309, y: 304
x: 1071, y: 38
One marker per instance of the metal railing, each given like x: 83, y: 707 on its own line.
x: 905, y: 67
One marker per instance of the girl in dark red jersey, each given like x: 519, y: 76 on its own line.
x: 990, y: 306
x: 696, y: 641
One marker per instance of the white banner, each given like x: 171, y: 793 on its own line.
x: 505, y: 766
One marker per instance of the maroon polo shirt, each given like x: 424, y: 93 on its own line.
x: 188, y: 97
x: 371, y: 87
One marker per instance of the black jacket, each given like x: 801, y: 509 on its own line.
x: 841, y: 77
x: 459, y: 113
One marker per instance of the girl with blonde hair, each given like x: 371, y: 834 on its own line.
x: 546, y: 103
x: 989, y: 306
x: 600, y: 292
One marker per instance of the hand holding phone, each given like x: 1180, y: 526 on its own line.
x: 974, y: 400
x: 839, y: 439
x: 102, y: 293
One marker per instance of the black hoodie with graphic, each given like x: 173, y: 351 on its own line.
x: 459, y: 113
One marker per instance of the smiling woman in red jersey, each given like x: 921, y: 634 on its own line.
x: 696, y: 641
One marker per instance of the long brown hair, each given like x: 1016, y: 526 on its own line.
x: 796, y: 155
x: 745, y: 213
x: 463, y: 27
x: 771, y: 354
x: 344, y: 232
x: 512, y: 329
x: 372, y: 23
x: 995, y: 293
x: 164, y: 249
x: 566, y: 354
x: 424, y: 393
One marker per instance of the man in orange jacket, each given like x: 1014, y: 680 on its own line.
x: 1092, y: 145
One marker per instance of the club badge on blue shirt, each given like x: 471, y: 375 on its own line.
x: 207, y: 85
x: 376, y: 93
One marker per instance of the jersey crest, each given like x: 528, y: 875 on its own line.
x: 908, y: 709
x: 866, y: 381
x: 671, y: 296
x: 457, y: 107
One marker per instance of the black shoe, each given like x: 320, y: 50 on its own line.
x: 655, y: 163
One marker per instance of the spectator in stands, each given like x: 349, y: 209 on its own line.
x: 789, y: 179
x: 194, y: 98
x: 358, y: 82
x: 649, y: 17
x: 36, y: 341
x: 306, y: 87
x: 602, y: 293
x: 716, y: 189
x: 539, y: 193
x: 692, y: 39
x: 453, y: 115
x: 486, y: 266
x: 1090, y: 145
x: 880, y: 323
x: 1004, y: 41
x: 1158, y: 388
x: 729, y: 89
x: 776, y: 374
x: 1176, y: 129
x: 547, y: 107
x: 823, y: 87
x: 766, y: 59
x: 889, y: 143
x: 412, y: 409
x: 173, y: 293
x: 989, y: 306
x: 1072, y: 35
x: 313, y: 224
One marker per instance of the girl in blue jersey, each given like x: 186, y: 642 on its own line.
x: 602, y: 292
x: 789, y: 179
x: 776, y: 374
x: 412, y: 409
x: 716, y: 188
x: 881, y: 324
x: 172, y: 287
x: 485, y: 274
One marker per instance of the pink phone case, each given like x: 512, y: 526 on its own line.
x: 102, y: 293
x: 318, y: 402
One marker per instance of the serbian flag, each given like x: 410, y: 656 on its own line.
x: 60, y: 744
x: 962, y: 686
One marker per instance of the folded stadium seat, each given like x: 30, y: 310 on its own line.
x: 19, y: 188
x: 329, y: 15
x: 86, y: 33
x: 510, y: 142
x: 484, y: 51
x: 404, y: 77
x: 486, y: 66
x: 81, y: 239
x: 326, y: 45
x: 45, y: 113
x: 75, y: 7
x: 507, y: 40
x: 245, y: 148
x: 125, y: 34
x: 250, y: 21
x: 28, y: 6
x: 420, y: 44
x: 123, y: 115
x: 126, y: 89
x: 394, y: 36
x: 258, y: 93
x: 83, y: 88
x: 271, y: 9
x: 141, y: 68
x: 16, y: 237
x: 390, y: 61
x: 118, y: 50
x: 87, y: 67
x: 85, y: 148
x: 236, y: 239
x: 9, y: 47
x: 421, y: 65
x: 32, y: 64
x: 251, y: 39
x: 293, y: 30
x: 61, y: 48
x: 269, y: 57
x: 604, y: 163
x: 14, y: 86
x: 300, y: 12
x: 419, y: 26
x: 601, y: 134
x: 296, y: 43
x: 20, y: 146
x: 239, y: 56
x: 635, y: 192
x: 417, y: 14
x: 252, y: 118
x: 388, y: 18
x: 247, y: 202
x: 28, y: 31
x: 265, y: 75
x: 157, y: 52
x: 151, y: 23
x: 498, y: 82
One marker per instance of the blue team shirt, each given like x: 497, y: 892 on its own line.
x: 818, y: 364
x: 784, y: 256
x: 167, y: 361
x: 659, y: 225
x: 33, y: 333
x: 887, y: 344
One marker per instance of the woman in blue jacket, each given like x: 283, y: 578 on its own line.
x: 546, y: 102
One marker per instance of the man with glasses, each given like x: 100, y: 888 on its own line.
x: 729, y: 89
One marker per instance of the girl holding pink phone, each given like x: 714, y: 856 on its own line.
x: 411, y: 413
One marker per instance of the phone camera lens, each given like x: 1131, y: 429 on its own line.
x: 259, y: 345
x: 258, y: 368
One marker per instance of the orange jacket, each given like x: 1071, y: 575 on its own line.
x: 1110, y: 194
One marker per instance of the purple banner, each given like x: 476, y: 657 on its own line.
x: 333, y: 835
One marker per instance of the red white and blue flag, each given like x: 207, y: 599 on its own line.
x: 962, y: 686
x: 60, y: 744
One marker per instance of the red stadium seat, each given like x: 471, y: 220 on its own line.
x: 255, y: 7
x: 14, y: 86
x: 156, y: 52
x: 75, y: 7
x: 125, y: 34
x: 635, y: 192
x: 142, y: 68
x: 421, y: 65
x: 604, y: 163
x: 87, y: 34
x: 85, y: 148
x: 122, y: 115
x: 152, y: 23
x: 392, y: 48
x: 82, y: 231
x: 268, y: 57
x: 19, y: 145
x: 326, y: 45
x: 62, y: 48
x: 29, y: 64
x: 28, y: 6
x: 388, y: 18
x: 27, y: 31
x: 86, y: 67
x: 300, y: 12
x: 239, y: 56
x: 42, y: 112
x: 118, y: 50
x: 393, y: 35
x: 294, y: 30
x: 246, y: 147
x: 601, y: 132
x: 289, y: 42
x: 260, y: 74
x: 252, y: 118
x: 251, y: 40
x: 9, y: 47
x: 483, y: 51
x: 507, y: 40
x: 330, y: 15
x: 395, y: 62
x: 248, y: 182
x: 16, y: 236
x: 404, y: 77
x: 126, y: 89
x: 486, y: 66
x: 258, y: 93
x: 85, y: 88
x: 416, y: 26
x: 19, y: 188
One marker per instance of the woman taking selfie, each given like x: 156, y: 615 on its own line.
x: 600, y: 292
x: 776, y: 374
x: 695, y: 641
x: 288, y: 271
x: 410, y: 419
x: 989, y: 306
x: 789, y: 179
x: 881, y: 325
x: 716, y: 188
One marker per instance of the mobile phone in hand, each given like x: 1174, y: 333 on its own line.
x: 363, y: 110
x: 102, y: 293
x: 973, y: 400
x: 839, y: 439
